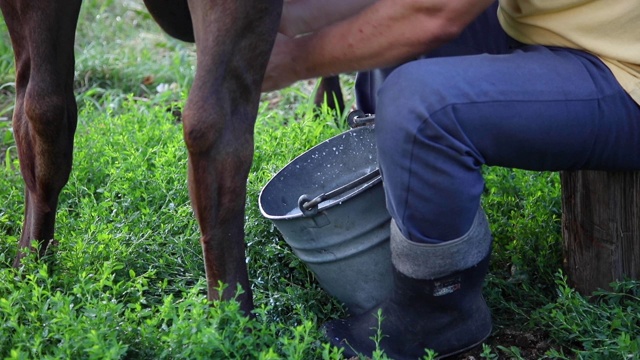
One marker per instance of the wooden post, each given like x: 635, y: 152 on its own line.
x: 600, y: 228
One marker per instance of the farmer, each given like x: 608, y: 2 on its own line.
x: 529, y: 84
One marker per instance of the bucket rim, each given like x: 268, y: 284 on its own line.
x: 321, y: 207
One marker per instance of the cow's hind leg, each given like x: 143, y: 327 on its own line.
x: 233, y: 41
x: 329, y: 90
x: 44, y: 119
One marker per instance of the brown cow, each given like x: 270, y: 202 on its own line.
x: 234, y: 40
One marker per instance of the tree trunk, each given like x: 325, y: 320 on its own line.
x: 600, y: 228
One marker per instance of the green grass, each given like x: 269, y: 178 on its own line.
x: 128, y: 279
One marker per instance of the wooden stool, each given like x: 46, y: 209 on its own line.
x: 600, y: 228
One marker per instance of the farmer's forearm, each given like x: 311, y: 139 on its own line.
x: 385, y: 33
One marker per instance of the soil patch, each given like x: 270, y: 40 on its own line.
x: 529, y: 345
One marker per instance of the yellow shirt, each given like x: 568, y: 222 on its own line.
x: 609, y: 29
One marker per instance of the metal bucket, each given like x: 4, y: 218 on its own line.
x: 329, y: 205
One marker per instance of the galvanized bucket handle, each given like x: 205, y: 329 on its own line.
x: 309, y: 207
x: 358, y: 118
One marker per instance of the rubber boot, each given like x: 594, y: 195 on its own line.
x: 436, y: 302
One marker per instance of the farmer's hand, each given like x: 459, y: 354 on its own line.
x: 283, y: 69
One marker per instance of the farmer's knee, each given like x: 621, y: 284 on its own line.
x: 418, y: 104
x: 429, y: 165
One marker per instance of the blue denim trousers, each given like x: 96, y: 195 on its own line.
x: 485, y: 99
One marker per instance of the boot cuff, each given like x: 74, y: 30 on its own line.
x: 432, y: 261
